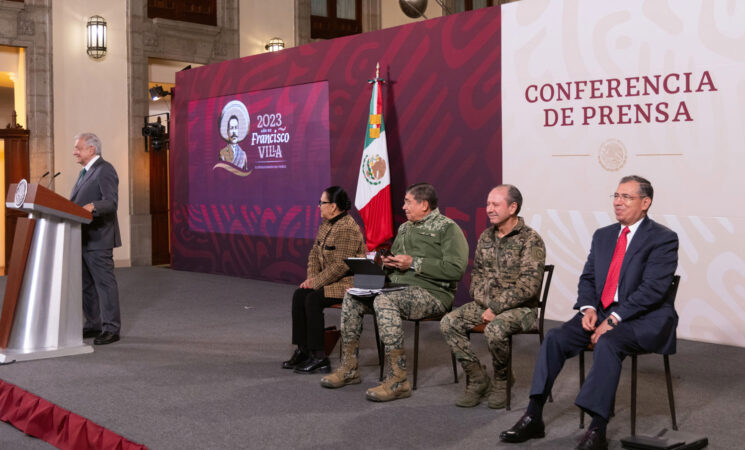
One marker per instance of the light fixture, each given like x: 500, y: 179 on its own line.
x: 413, y: 8
x: 96, y: 37
x: 275, y: 44
x: 157, y: 92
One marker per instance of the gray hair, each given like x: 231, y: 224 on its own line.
x: 423, y: 191
x: 645, y: 187
x: 513, y: 196
x: 91, y: 140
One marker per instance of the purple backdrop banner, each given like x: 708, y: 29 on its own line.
x: 244, y: 148
x: 441, y: 106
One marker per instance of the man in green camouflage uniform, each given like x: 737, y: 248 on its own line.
x: 505, y: 286
x: 429, y: 255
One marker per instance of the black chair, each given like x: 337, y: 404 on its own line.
x: 672, y: 291
x: 548, y: 273
x: 381, y: 347
x: 416, y: 349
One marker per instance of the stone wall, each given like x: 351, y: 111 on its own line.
x: 28, y: 25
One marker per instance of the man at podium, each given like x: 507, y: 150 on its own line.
x: 97, y: 190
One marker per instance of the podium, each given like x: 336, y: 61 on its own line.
x: 42, y: 313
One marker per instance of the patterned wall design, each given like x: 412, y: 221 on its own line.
x: 442, y: 114
x: 567, y: 172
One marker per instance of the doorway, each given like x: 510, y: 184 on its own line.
x: 14, y: 138
x: 161, y: 73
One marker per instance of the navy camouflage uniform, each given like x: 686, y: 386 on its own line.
x: 507, y: 276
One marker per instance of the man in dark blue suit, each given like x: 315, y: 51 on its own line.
x: 97, y: 190
x: 623, y: 308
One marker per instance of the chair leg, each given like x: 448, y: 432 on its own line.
x: 416, y: 350
x: 581, y: 382
x: 509, y: 372
x: 379, y: 345
x: 633, y: 395
x: 455, y: 367
x: 670, y: 396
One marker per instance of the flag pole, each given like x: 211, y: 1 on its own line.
x: 373, y: 196
x: 377, y: 78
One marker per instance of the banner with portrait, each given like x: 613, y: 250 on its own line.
x: 257, y: 151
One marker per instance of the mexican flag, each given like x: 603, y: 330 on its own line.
x: 373, y: 198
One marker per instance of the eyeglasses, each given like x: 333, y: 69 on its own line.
x: 321, y: 202
x: 625, y: 197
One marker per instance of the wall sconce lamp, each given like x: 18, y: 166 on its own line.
x: 157, y: 92
x: 96, y: 28
x: 275, y: 44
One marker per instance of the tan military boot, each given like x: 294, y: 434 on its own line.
x: 476, y: 387
x: 396, y: 385
x: 347, y: 373
x: 498, y: 393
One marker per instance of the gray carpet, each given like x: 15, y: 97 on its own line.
x: 198, y: 367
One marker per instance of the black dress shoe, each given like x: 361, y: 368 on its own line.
x: 593, y: 440
x: 107, y: 337
x: 90, y: 332
x: 297, y: 358
x: 314, y: 365
x: 528, y: 427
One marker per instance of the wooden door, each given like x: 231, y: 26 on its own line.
x: 16, y: 168
x: 161, y: 250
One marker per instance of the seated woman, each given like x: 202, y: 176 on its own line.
x: 338, y: 237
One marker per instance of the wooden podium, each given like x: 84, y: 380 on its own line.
x: 42, y: 313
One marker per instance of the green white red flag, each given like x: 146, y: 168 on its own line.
x: 373, y: 198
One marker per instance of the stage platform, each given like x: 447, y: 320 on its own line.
x: 198, y: 367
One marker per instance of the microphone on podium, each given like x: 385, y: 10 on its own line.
x: 51, y: 182
x: 42, y: 177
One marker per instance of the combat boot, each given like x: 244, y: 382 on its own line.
x: 395, y: 385
x: 476, y: 387
x: 347, y: 373
x: 498, y: 393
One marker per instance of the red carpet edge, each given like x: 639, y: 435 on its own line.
x: 44, y: 420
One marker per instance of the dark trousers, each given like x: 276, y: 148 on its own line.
x: 596, y: 395
x: 100, y: 291
x: 307, y: 318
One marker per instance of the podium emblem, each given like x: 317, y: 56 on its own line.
x: 21, y: 190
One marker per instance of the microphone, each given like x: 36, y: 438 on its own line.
x: 42, y: 177
x: 51, y: 181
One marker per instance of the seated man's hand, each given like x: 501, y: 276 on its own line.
x: 400, y: 262
x: 599, y: 331
x: 488, y: 315
x: 306, y: 284
x: 589, y: 319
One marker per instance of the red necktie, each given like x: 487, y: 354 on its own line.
x: 611, y: 283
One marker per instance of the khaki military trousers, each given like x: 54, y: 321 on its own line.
x: 457, y: 323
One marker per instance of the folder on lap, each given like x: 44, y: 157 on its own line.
x: 369, y: 278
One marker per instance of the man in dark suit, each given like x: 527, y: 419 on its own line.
x: 623, y: 308
x: 97, y: 190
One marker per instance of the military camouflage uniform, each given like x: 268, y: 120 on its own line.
x: 507, y: 277
x: 440, y: 256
